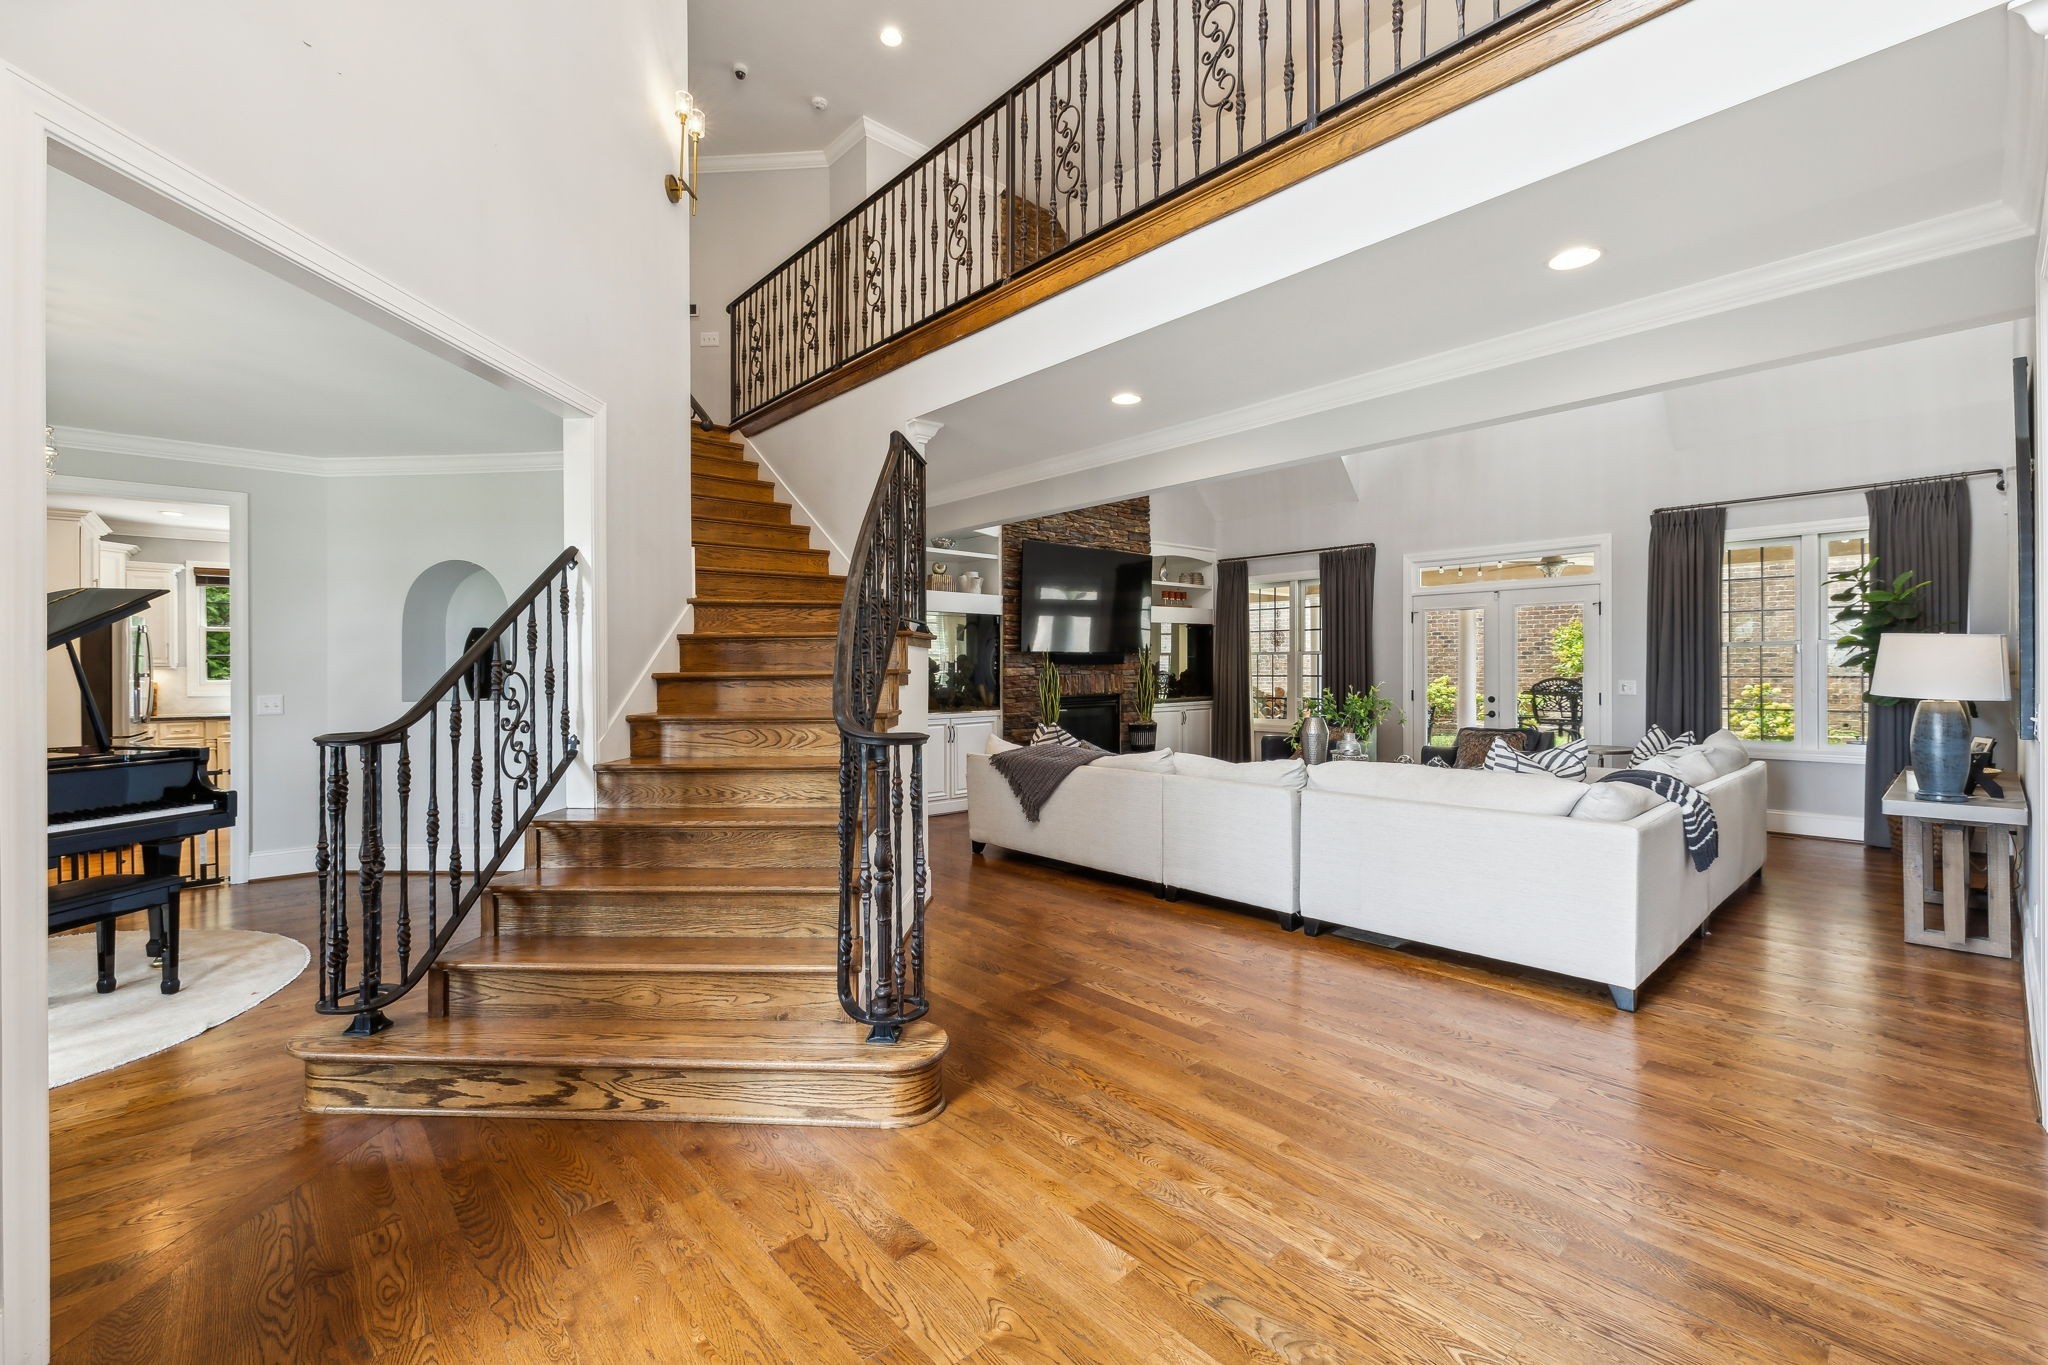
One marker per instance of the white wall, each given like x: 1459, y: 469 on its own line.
x: 501, y: 162
x: 1927, y: 407
x: 747, y: 224
x: 330, y: 561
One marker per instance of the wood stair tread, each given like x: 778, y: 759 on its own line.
x: 779, y: 817
x: 668, y: 880
x: 750, y: 1045
x: 777, y: 955
x: 717, y: 636
x: 725, y: 763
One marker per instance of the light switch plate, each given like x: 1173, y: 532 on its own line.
x: 270, y: 706
x: 707, y: 338
x: 1625, y: 687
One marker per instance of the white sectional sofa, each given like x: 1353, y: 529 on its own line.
x: 1588, y: 880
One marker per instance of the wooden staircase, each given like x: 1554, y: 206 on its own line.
x: 670, y: 954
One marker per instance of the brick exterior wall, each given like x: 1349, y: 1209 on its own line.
x: 1534, y: 658
x: 1123, y: 526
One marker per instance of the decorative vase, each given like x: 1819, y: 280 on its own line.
x: 1315, y: 740
x: 1344, y: 744
x: 1143, y: 734
x: 970, y: 582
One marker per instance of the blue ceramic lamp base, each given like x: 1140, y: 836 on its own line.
x: 1941, y: 750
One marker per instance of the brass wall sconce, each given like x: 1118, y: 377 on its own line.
x: 691, y: 115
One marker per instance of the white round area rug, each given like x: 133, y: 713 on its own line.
x: 223, y: 971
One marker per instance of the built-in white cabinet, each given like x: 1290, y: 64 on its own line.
x: 1184, y: 726
x: 954, y: 735
x: 166, y: 640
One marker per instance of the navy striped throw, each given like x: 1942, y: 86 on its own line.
x: 1702, y: 831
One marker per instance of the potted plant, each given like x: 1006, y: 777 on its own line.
x: 1144, y: 732
x: 1048, y: 691
x: 1358, y: 717
x: 1866, y: 608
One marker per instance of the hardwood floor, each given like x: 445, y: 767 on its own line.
x: 1174, y: 1133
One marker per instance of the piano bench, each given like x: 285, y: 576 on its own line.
x: 99, y: 901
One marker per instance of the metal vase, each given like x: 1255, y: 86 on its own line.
x: 1315, y: 739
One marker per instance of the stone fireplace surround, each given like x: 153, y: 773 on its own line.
x: 1125, y: 526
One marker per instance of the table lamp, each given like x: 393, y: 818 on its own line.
x: 1942, y: 672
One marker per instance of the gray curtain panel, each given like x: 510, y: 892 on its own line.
x: 1922, y: 525
x: 1683, y: 686
x: 1347, y: 617
x: 1232, y: 732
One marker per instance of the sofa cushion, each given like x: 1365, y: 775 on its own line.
x: 1154, y: 761
x: 1689, y: 764
x: 1615, y: 802
x: 1726, y: 751
x: 1474, y: 787
x: 1278, y: 772
x: 998, y: 745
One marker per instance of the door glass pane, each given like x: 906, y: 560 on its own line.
x: 1760, y: 639
x: 1454, y: 666
x: 1550, y: 665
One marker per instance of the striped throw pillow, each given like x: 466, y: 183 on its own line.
x: 1655, y: 741
x: 1048, y: 733
x: 1567, y: 761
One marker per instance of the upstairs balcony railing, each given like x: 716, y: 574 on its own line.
x: 1152, y: 101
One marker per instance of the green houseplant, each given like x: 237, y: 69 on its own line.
x: 1867, y: 607
x: 1144, y: 731
x: 1048, y: 691
x: 1360, y: 714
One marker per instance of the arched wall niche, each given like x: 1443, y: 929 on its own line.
x: 442, y: 606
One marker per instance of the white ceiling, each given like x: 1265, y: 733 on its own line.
x: 956, y: 58
x: 150, y: 516
x: 1844, y: 157
x: 153, y: 332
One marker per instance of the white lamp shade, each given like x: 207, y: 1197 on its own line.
x: 1941, y: 667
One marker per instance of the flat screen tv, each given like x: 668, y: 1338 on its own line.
x: 1082, y: 605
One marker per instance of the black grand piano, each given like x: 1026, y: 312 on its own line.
x: 105, y: 798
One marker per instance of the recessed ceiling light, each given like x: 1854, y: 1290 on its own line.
x: 168, y: 512
x: 1575, y: 258
x: 1125, y: 399
x: 892, y: 36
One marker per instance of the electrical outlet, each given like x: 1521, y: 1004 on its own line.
x: 707, y: 338
x: 1625, y: 687
x: 270, y: 706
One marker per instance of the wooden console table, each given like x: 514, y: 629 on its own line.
x: 1997, y: 826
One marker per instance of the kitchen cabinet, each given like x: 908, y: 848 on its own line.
x: 954, y: 735
x: 210, y: 733
x: 166, y: 640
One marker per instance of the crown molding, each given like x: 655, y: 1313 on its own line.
x: 741, y: 162
x: 1973, y: 229
x: 144, y: 530
x: 866, y: 129
x: 306, y: 466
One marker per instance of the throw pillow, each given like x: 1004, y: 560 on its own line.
x: 1689, y: 764
x: 1726, y: 749
x: 1654, y: 742
x: 1567, y: 760
x: 998, y: 745
x: 1048, y: 733
x: 1614, y: 802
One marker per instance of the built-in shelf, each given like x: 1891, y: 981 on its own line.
x: 1169, y: 583
x: 1183, y: 616
x: 972, y: 603
x: 956, y: 552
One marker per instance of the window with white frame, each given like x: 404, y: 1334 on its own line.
x: 1286, y: 647
x: 1782, y: 678
x: 210, y: 631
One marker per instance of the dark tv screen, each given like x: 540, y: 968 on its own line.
x: 1080, y: 603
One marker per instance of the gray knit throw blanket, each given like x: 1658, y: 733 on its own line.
x: 1035, y: 771
x: 1702, y: 830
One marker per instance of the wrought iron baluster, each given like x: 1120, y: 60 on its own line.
x: 323, y: 874
x: 404, y: 856
x: 368, y: 1018
x: 432, y: 732
x: 1399, y: 55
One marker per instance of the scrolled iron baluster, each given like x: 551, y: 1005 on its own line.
x: 433, y: 823
x: 404, y: 777
x: 455, y: 800
x: 368, y: 1018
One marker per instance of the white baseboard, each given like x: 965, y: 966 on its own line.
x: 265, y: 863
x: 1816, y: 825
x: 639, y: 699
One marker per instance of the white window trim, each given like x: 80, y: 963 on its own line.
x: 1296, y: 607
x: 1810, y: 713
x: 197, y: 684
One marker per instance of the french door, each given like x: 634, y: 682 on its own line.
x: 1507, y: 657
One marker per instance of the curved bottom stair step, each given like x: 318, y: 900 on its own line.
x: 734, y: 1072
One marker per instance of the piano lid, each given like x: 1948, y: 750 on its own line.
x: 77, y: 612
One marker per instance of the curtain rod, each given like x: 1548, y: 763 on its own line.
x: 1313, y: 550
x: 1845, y: 488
